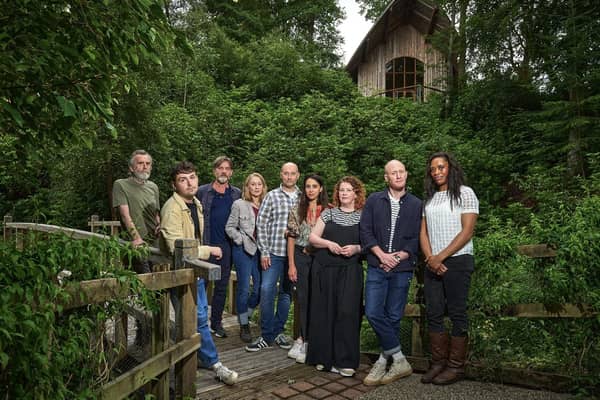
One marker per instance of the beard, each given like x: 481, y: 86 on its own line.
x: 222, y: 179
x: 142, y: 176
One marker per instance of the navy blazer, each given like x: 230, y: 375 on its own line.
x: 375, y: 228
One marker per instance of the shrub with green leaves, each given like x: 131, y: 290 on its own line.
x: 47, y: 352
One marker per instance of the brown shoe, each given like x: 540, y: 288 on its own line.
x: 455, y: 369
x: 439, y: 355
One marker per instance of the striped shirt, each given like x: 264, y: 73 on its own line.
x: 271, y: 223
x: 395, y: 206
x: 341, y: 217
x: 444, y: 223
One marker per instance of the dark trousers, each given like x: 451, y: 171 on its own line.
x: 449, y: 291
x: 220, y: 292
x: 303, y: 263
x: 335, y: 317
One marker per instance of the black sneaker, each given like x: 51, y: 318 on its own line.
x: 283, y: 341
x: 258, y: 345
x: 219, y: 331
x: 245, y: 334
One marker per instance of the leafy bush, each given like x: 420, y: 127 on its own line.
x: 46, y: 351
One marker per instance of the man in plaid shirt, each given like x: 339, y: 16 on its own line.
x: 271, y: 225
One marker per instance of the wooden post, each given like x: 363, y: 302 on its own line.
x: 160, y: 339
x: 185, y: 320
x: 416, y: 341
x: 419, y: 328
x: 231, y: 290
x: 94, y: 223
x: 7, y: 231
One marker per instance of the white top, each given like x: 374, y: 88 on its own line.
x: 443, y: 223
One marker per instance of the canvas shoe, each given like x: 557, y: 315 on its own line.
x: 219, y: 331
x: 283, y: 341
x: 376, y: 374
x: 302, y: 355
x: 224, y: 374
x: 342, y: 371
x: 399, y: 369
x: 258, y: 345
x: 296, y: 349
x: 348, y: 372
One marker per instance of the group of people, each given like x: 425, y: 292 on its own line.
x: 294, y: 238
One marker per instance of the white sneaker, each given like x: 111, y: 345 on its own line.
x: 302, y: 355
x: 399, y: 369
x: 376, y: 374
x: 225, y: 375
x: 296, y: 349
x: 345, y: 371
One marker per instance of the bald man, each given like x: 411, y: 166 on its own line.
x: 271, y: 226
x: 389, y: 232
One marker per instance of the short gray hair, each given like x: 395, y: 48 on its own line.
x: 138, y: 153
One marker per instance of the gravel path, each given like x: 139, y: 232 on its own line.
x: 411, y: 388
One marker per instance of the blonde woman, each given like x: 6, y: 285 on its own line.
x: 241, y: 228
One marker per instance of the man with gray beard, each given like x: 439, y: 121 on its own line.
x: 136, y: 200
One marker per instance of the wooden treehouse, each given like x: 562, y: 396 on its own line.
x: 397, y: 58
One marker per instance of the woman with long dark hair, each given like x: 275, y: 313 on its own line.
x: 301, y: 220
x: 449, y: 218
x: 337, y: 282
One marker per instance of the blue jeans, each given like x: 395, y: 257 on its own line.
x: 246, y: 266
x: 272, y: 322
x: 385, y: 299
x: 207, y: 353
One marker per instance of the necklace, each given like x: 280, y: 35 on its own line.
x: 312, y: 215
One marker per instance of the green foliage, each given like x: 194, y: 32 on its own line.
x: 45, y: 351
x: 525, y: 132
x: 61, y: 62
x: 372, y: 9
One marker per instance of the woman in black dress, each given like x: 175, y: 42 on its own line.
x: 337, y: 282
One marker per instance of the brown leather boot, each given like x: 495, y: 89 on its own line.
x: 439, y: 355
x: 455, y: 369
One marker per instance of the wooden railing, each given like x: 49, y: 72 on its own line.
x: 180, y: 273
x: 528, y: 378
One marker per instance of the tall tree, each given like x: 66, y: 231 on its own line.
x: 62, y: 61
x: 372, y: 9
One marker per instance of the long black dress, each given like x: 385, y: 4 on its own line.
x: 336, y: 296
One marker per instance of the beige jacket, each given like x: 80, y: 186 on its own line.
x: 176, y: 223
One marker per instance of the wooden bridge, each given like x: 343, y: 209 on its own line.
x: 167, y: 367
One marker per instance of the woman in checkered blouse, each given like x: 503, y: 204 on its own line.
x: 449, y: 218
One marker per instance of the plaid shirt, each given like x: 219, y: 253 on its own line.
x: 271, y: 223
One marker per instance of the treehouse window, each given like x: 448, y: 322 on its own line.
x: 404, y: 77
